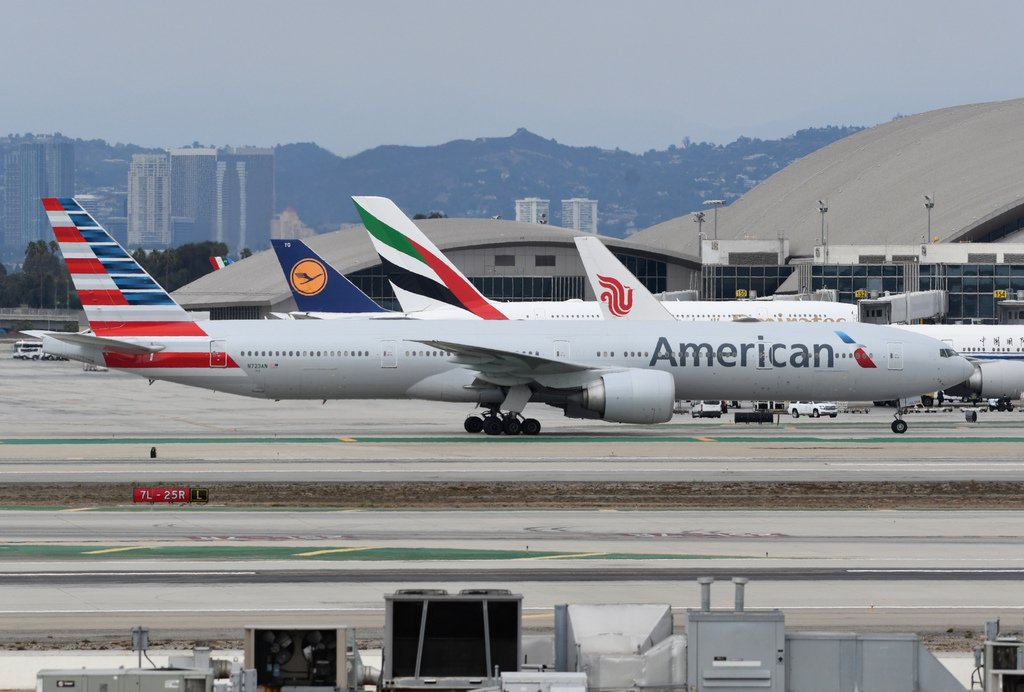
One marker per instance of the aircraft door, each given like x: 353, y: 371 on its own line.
x: 561, y: 349
x: 388, y: 354
x: 895, y: 355
x: 218, y: 354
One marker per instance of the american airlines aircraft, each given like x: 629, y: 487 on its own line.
x: 423, y: 278
x: 628, y: 373
x: 996, y: 351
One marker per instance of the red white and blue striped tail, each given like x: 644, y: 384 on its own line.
x: 119, y: 297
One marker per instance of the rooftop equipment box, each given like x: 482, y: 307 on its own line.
x: 437, y: 640
x: 124, y: 680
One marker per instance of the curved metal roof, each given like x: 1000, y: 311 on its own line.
x: 970, y: 158
x: 258, y: 280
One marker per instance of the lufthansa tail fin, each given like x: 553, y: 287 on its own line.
x: 422, y: 277
x: 618, y: 291
x: 316, y: 285
x: 119, y: 298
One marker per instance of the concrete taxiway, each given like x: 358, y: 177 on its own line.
x: 207, y: 572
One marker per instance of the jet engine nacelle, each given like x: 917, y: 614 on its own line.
x: 993, y: 379
x: 633, y: 396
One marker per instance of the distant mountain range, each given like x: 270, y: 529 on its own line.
x: 483, y: 177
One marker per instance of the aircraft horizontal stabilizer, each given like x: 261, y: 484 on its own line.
x: 100, y: 343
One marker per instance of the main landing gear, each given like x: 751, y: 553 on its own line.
x: 495, y: 422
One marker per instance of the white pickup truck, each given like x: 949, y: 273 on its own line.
x: 814, y: 409
x: 709, y: 408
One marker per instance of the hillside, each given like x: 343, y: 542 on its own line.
x: 483, y: 177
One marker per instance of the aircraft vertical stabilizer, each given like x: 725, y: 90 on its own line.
x: 316, y: 285
x: 620, y: 294
x: 119, y: 298
x: 421, y: 276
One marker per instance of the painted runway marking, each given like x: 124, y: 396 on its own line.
x: 333, y: 550
x: 117, y: 550
x: 77, y: 509
x: 704, y: 439
x: 558, y: 557
x: 125, y: 574
x: 347, y: 439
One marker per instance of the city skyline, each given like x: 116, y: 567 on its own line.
x: 353, y: 76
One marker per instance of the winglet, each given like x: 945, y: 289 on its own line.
x: 316, y: 285
x: 619, y: 292
x: 422, y: 277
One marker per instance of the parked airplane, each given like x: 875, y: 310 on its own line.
x: 996, y: 352
x: 322, y: 292
x: 220, y: 262
x: 612, y: 371
x: 422, y: 278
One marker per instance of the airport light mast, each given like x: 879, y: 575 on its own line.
x: 929, y: 202
x: 716, y: 203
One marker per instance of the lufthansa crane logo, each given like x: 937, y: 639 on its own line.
x: 308, y: 277
x: 617, y: 297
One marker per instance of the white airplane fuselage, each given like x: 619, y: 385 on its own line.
x: 385, y: 359
x: 997, y: 351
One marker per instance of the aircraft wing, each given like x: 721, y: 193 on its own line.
x: 507, y: 368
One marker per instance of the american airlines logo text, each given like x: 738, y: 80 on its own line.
x: 762, y: 354
x: 617, y: 297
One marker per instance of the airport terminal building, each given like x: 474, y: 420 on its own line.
x: 932, y: 202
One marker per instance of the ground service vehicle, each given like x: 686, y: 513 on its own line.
x: 814, y: 409
x: 27, y: 350
x: 708, y: 408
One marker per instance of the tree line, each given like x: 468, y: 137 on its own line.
x: 43, y: 280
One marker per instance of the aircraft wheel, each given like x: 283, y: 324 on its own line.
x: 473, y: 424
x: 511, y: 425
x: 531, y: 426
x: 493, y: 426
x: 796, y: 414
x: 899, y: 426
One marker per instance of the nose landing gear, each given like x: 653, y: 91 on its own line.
x: 899, y: 426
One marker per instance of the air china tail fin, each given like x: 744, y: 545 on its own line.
x: 621, y: 295
x: 119, y: 298
x: 316, y: 285
x: 421, y: 276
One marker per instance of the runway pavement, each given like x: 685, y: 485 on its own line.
x: 209, y: 572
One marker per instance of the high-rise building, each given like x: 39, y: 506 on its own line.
x: 245, y: 197
x: 532, y: 210
x: 149, y: 201
x: 193, y: 195
x: 580, y: 213
x: 44, y: 167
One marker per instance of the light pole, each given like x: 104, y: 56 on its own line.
x: 716, y: 203
x: 929, y: 202
x: 698, y: 218
x: 823, y: 209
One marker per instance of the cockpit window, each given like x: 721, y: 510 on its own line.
x: 947, y: 353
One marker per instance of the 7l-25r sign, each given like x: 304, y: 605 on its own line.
x: 171, y: 495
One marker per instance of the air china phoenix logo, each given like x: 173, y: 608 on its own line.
x: 308, y: 277
x: 859, y: 355
x: 617, y: 297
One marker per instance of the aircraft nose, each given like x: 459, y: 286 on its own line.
x: 959, y: 369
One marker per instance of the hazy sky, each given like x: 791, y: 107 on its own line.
x: 354, y: 75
